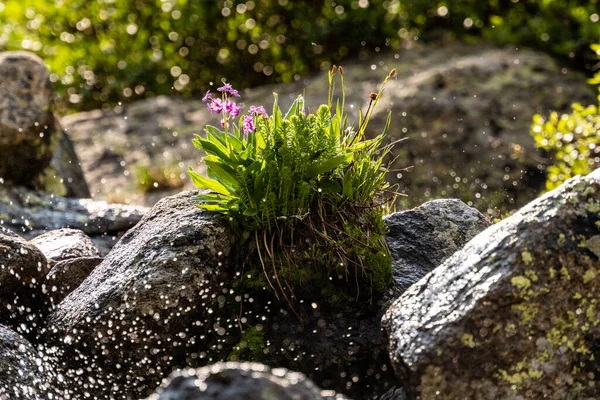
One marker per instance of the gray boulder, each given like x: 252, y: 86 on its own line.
x: 64, y: 244
x: 513, y: 314
x: 26, y: 119
x: 31, y: 213
x: 66, y: 276
x: 65, y: 163
x: 421, y: 238
x: 240, y: 381
x: 23, y: 297
x: 153, y: 300
x: 23, y: 374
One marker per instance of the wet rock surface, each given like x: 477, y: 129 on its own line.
x: 67, y: 166
x: 22, y: 373
x: 66, y: 276
x: 64, y: 244
x: 512, y: 315
x: 23, y: 298
x: 149, y: 305
x: 421, y: 238
x: 465, y: 140
x: 241, y: 381
x: 31, y: 213
x: 26, y: 119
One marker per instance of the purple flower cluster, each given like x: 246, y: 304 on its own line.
x: 229, y: 108
x: 218, y: 105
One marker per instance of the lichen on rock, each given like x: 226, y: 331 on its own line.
x: 515, y: 313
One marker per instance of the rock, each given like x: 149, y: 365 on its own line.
x: 445, y: 100
x: 26, y: 119
x: 66, y: 276
x: 68, y: 168
x: 240, y: 381
x: 153, y: 300
x: 64, y: 244
x: 23, y: 375
x: 32, y: 213
x: 421, y: 238
x: 23, y: 299
x: 513, y: 314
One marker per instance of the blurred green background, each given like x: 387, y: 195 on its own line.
x: 101, y: 52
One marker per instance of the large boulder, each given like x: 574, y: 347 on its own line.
x: 23, y: 295
x: 153, y: 300
x: 64, y: 244
x: 23, y: 374
x: 240, y: 381
x: 26, y: 119
x: 30, y: 214
x: 421, y: 238
x: 466, y: 141
x: 514, y: 314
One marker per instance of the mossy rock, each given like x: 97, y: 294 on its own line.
x: 512, y: 315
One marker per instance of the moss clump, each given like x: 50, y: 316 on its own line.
x: 251, y: 347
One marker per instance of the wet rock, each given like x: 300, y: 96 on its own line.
x: 513, y: 314
x: 66, y: 276
x: 22, y: 373
x: 32, y: 213
x: 240, y: 381
x: 395, y: 393
x: 64, y: 244
x: 26, y: 119
x: 68, y: 168
x: 23, y: 299
x: 445, y: 100
x: 153, y: 300
x: 421, y: 238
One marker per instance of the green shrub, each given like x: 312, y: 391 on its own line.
x: 104, y: 51
x: 572, y: 140
x: 306, y: 188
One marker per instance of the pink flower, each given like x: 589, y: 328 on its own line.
x: 227, y: 88
x: 258, y: 111
x: 248, y: 124
x: 207, y: 97
x: 216, y: 105
x: 232, y: 108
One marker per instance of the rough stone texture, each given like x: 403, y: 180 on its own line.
x: 445, y: 100
x: 149, y: 304
x: 514, y: 314
x: 23, y: 375
x: 32, y: 213
x: 66, y: 276
x: 23, y: 301
x: 26, y: 119
x: 64, y: 244
x: 421, y: 238
x: 68, y: 168
x: 240, y: 381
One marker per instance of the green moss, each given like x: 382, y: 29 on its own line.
x: 589, y: 276
x: 251, y: 347
x: 520, y: 282
x: 468, y: 340
x: 527, y: 257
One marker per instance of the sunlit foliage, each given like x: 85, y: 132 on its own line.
x: 572, y: 140
x: 103, y: 51
x: 307, y: 188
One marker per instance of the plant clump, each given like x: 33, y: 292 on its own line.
x: 572, y: 139
x: 306, y: 192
